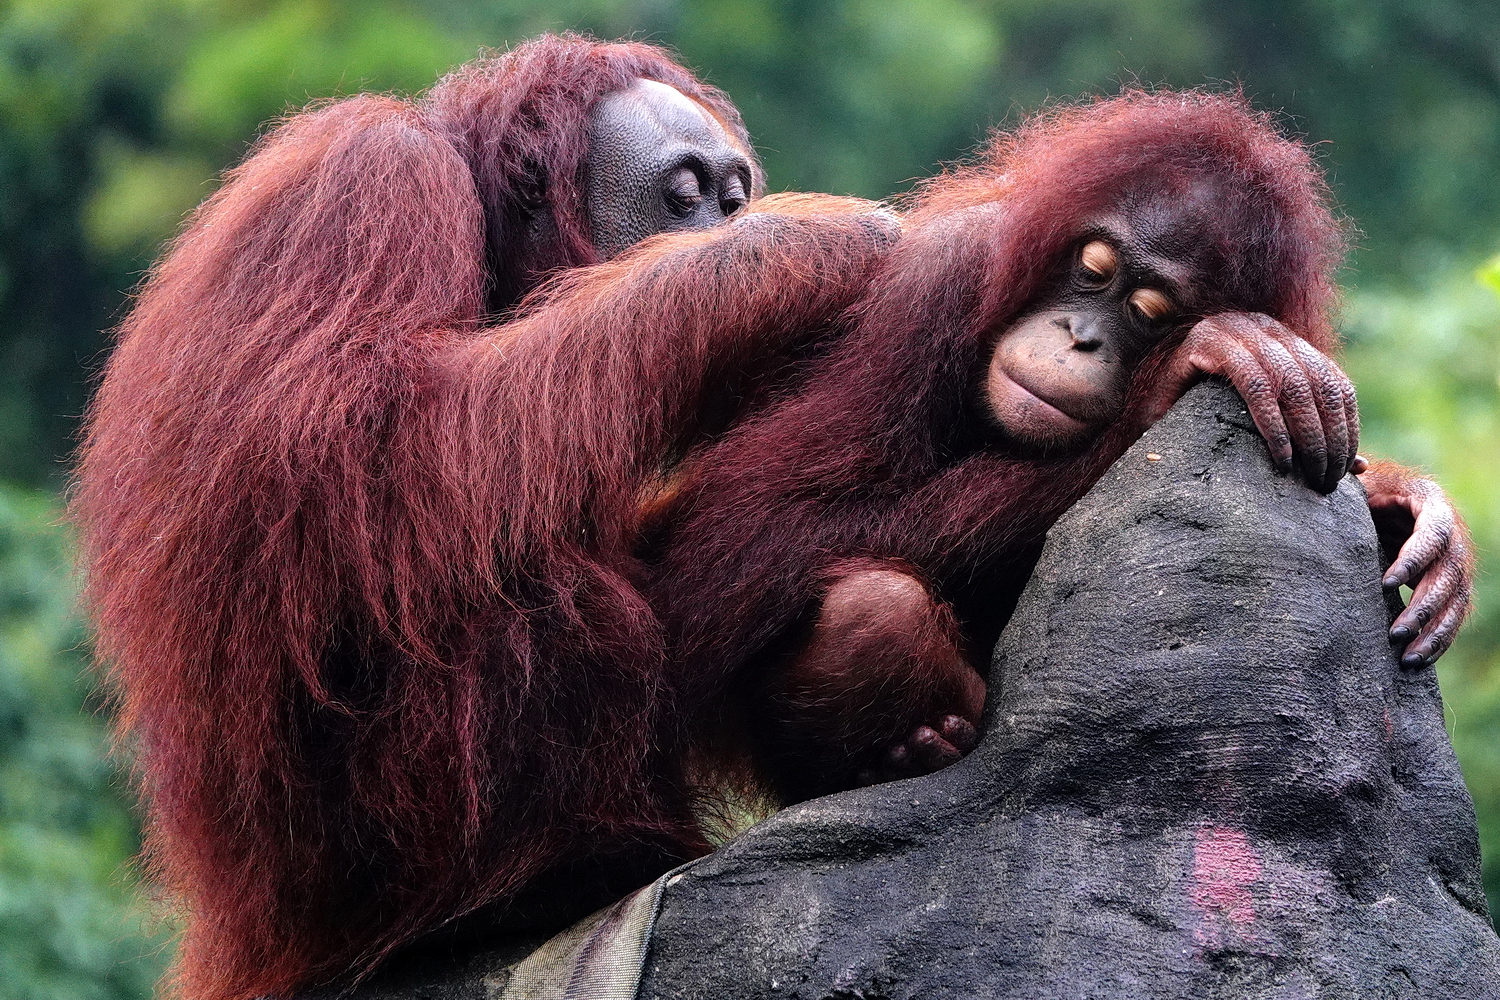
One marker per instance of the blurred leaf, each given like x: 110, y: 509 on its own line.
x: 253, y: 70
x: 1489, y: 273
x: 72, y: 925
x: 142, y: 197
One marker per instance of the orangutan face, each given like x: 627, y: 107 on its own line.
x: 659, y: 162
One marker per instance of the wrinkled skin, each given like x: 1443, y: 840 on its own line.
x: 659, y: 163
x: 1306, y: 409
x: 1078, y: 350
x: 656, y: 162
x: 1433, y: 555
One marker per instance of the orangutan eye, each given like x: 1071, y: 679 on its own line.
x: 683, y: 192
x: 732, y: 196
x: 1098, y: 261
x: 1150, y: 303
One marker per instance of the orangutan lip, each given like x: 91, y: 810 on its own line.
x: 1061, y: 415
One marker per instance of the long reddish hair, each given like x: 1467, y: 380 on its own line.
x: 336, y: 680
x: 1278, y: 241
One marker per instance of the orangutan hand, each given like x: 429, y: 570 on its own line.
x: 1435, y: 559
x: 1301, y: 401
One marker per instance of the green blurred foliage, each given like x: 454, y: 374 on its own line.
x: 72, y: 924
x: 116, y: 116
x: 1428, y: 369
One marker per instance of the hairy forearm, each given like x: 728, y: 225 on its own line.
x: 608, y: 370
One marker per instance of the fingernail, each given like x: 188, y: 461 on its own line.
x: 1413, y: 660
x: 1390, y: 581
x: 1401, y: 632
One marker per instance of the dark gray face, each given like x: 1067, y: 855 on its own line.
x: 657, y: 163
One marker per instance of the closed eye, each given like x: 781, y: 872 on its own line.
x: 1151, y: 304
x: 732, y: 196
x: 683, y: 191
x: 1098, y: 262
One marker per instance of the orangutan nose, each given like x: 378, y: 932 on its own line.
x: 1085, y: 333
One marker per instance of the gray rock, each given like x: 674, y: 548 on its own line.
x: 1205, y: 775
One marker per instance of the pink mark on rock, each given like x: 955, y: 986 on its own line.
x: 1225, y: 866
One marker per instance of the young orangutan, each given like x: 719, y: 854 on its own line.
x: 831, y: 570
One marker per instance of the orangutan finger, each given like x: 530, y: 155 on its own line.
x: 1432, y: 594
x: 884, y: 224
x: 1304, y: 418
x: 1261, y: 395
x: 1438, y: 637
x: 1357, y: 462
x: 1335, y: 432
x: 1329, y: 391
x: 931, y: 751
x: 1330, y: 388
x: 1432, y: 534
x: 958, y: 731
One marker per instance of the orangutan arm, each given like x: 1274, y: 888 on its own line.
x: 608, y: 370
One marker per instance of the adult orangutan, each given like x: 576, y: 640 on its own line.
x: 361, y: 557
x: 831, y: 568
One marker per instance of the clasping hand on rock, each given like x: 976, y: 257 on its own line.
x: 1301, y: 401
